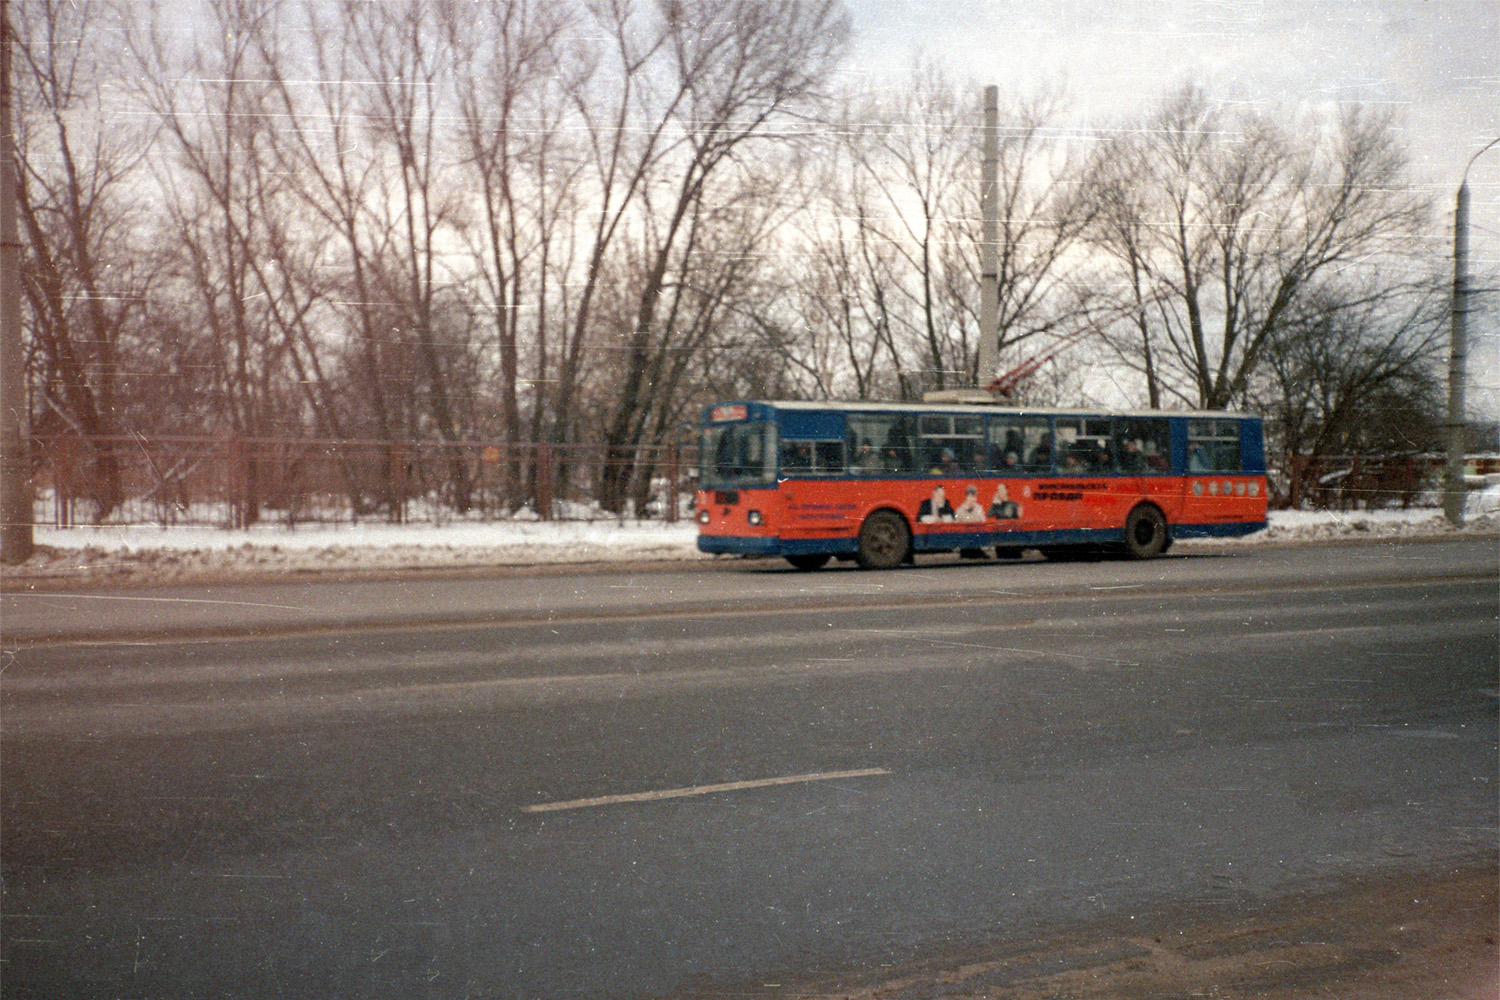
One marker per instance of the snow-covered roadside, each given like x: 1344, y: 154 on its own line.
x: 146, y: 555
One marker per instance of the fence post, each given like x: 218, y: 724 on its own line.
x: 672, y: 472
x: 545, y: 474
x: 62, y: 480
x: 397, y: 475
x: 238, y: 481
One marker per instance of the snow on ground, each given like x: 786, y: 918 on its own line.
x: 122, y: 554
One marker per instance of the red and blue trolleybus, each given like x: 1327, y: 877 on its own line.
x: 881, y: 482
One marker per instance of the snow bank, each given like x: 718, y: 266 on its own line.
x: 144, y: 554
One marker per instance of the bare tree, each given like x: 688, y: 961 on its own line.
x: 919, y: 154
x: 1221, y: 219
x: 223, y: 196
x: 87, y: 273
x: 405, y: 63
x: 729, y: 70
x: 511, y: 111
x: 830, y: 326
x: 914, y: 153
x: 1354, y: 368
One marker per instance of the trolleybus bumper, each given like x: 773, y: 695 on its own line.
x: 772, y: 546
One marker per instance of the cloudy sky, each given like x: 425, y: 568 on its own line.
x: 1434, y: 63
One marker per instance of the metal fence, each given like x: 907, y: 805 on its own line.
x: 235, y: 482
x: 1353, y: 482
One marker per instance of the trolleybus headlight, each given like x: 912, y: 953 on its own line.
x: 753, y: 517
x: 703, y: 516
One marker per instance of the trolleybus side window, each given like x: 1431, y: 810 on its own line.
x: 880, y: 443
x: 952, y: 444
x: 1213, y: 445
x: 1019, y: 446
x: 1084, y: 446
x: 812, y: 458
x: 1143, y: 445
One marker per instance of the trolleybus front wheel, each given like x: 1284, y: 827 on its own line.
x: 884, y: 540
x: 1145, y: 533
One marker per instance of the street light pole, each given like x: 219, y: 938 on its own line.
x: 989, y: 254
x: 16, y: 542
x: 1454, y: 490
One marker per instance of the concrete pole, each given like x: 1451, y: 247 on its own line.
x: 16, y: 544
x: 1454, y: 495
x: 1454, y: 491
x: 989, y: 253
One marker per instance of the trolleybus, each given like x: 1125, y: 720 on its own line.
x: 881, y: 482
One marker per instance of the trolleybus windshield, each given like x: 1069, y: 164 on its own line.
x: 738, y: 454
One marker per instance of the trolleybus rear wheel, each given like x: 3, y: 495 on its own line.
x: 884, y: 540
x: 1145, y: 532
x: 809, y: 562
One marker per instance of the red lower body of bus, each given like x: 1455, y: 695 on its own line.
x: 813, y: 517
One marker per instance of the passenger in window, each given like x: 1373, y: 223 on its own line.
x: 935, y: 508
x: 1002, y: 507
x: 1198, y: 458
x: 865, y: 460
x: 947, y: 464
x: 969, y: 511
x: 1131, y: 459
x: 796, y: 456
x: 1042, y: 456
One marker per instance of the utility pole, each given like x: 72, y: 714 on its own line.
x: 1455, y: 495
x: 16, y: 544
x: 989, y: 251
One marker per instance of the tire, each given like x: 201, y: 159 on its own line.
x: 884, y: 540
x: 808, y: 563
x: 1145, y: 533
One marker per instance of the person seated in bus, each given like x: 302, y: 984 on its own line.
x: 865, y: 460
x: 1197, y: 458
x: 796, y: 458
x: 1072, y: 462
x: 946, y: 465
x: 1131, y: 459
x: 1002, y: 507
x: 1041, y: 456
x: 969, y: 511
x: 936, y: 507
x: 1155, y: 460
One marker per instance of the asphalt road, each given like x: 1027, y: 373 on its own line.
x: 366, y: 796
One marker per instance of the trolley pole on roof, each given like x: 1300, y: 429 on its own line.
x: 989, y: 253
x: 16, y: 542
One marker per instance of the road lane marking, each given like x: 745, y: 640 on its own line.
x: 679, y: 793
x: 58, y: 598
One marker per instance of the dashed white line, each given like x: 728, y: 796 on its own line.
x: 679, y: 793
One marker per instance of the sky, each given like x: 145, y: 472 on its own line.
x: 1434, y: 63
